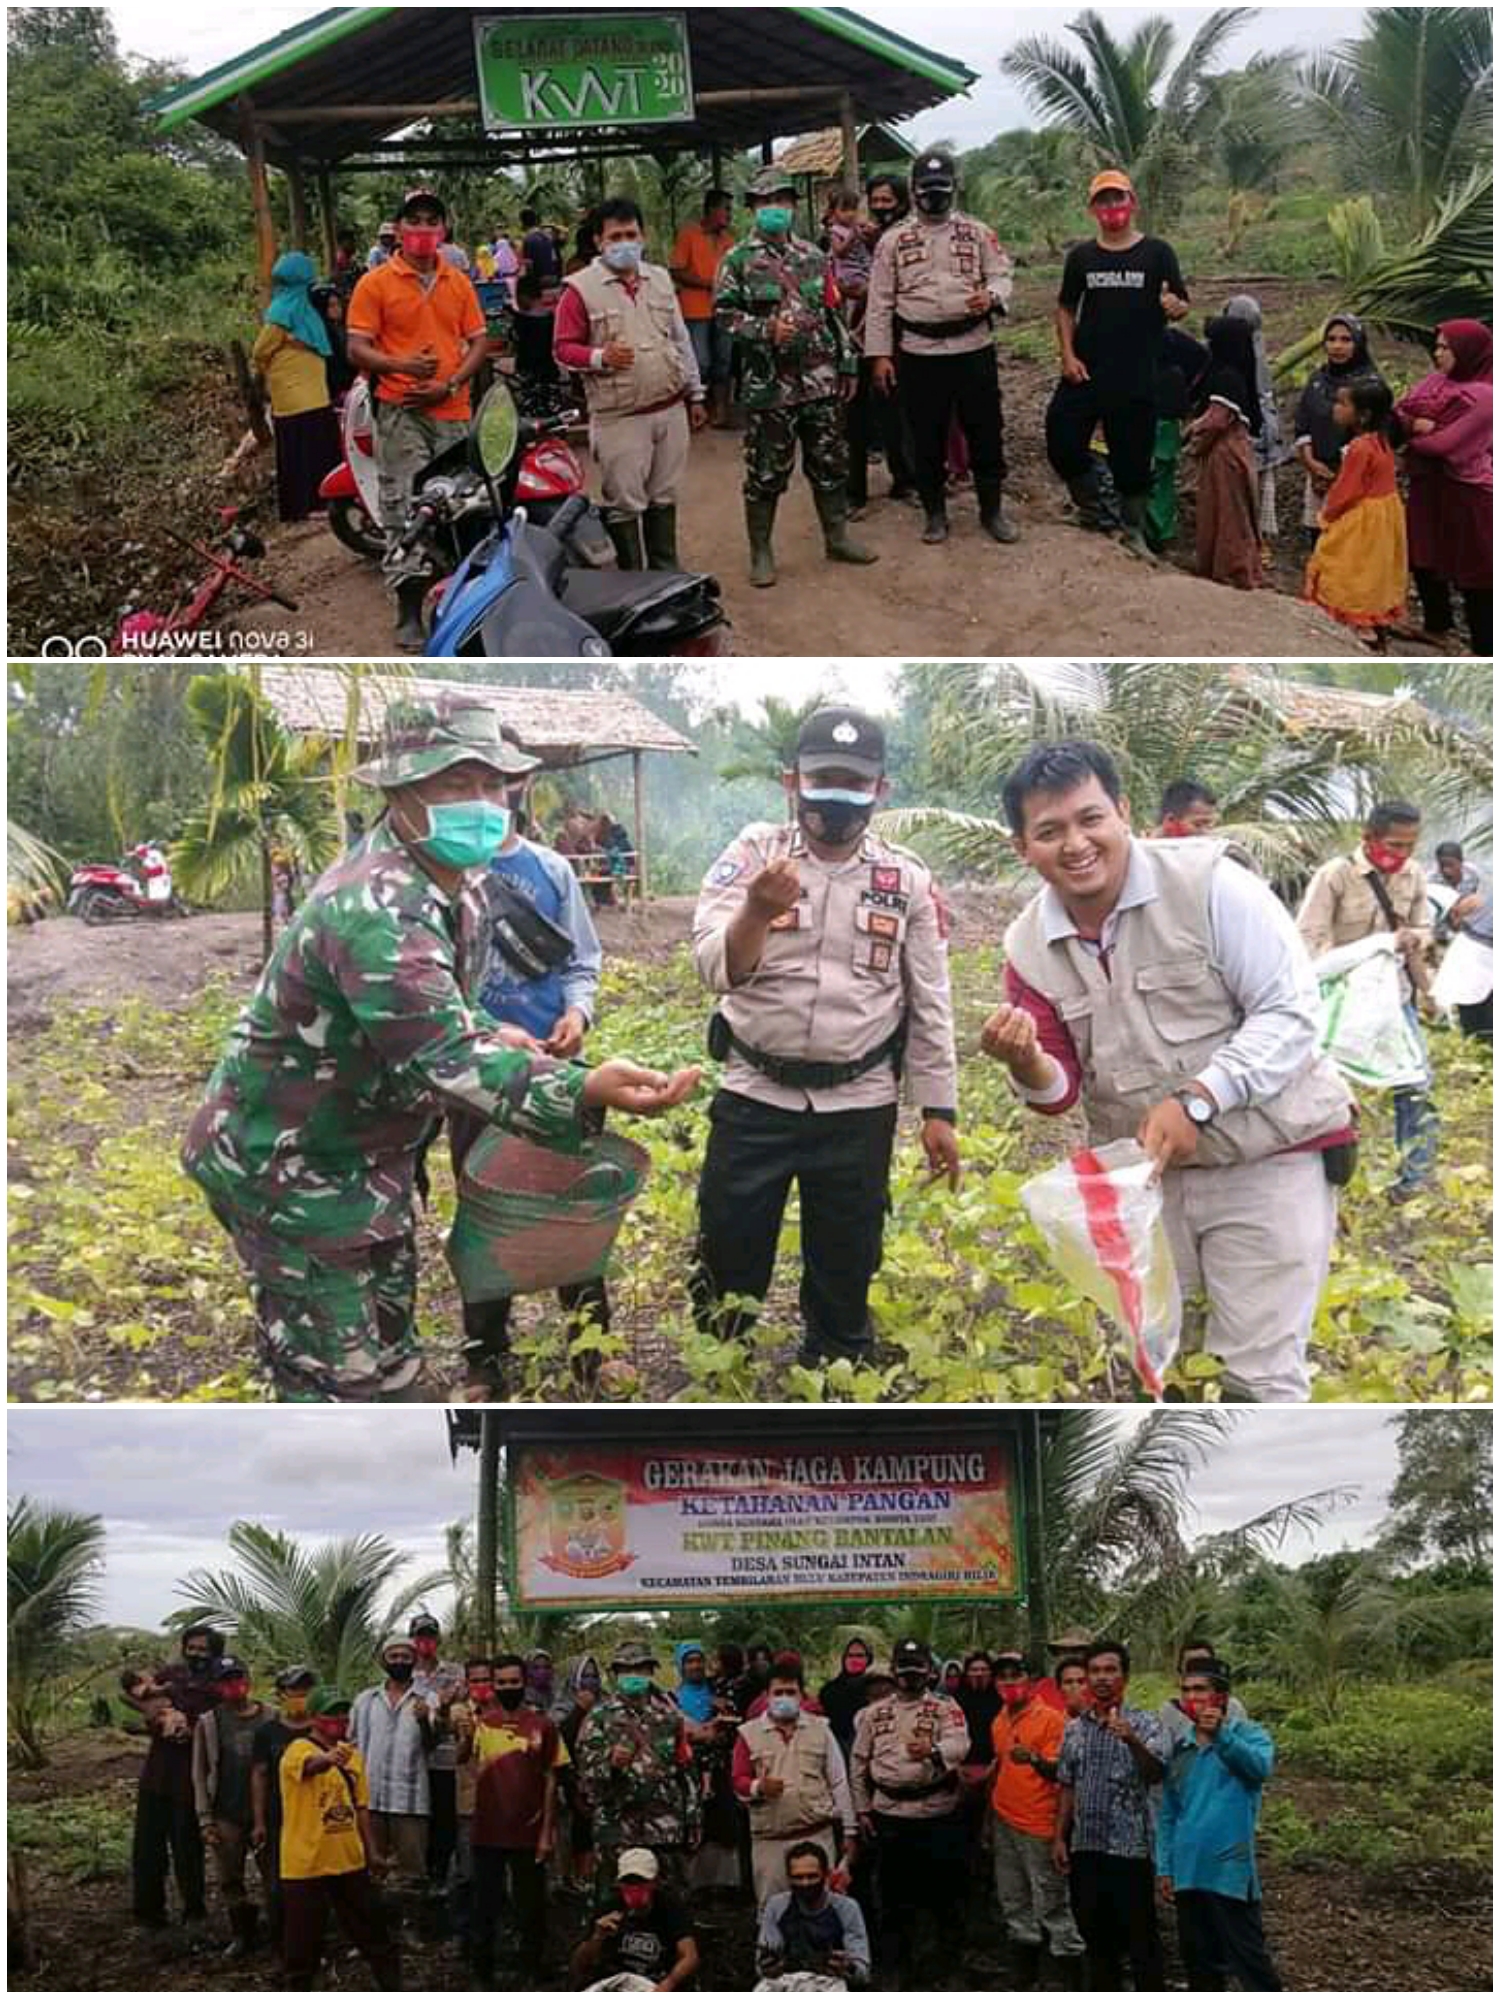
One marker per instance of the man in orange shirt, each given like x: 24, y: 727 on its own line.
x: 696, y: 256
x: 416, y: 328
x: 1027, y: 1736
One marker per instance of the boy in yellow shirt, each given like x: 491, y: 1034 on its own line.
x: 327, y: 1862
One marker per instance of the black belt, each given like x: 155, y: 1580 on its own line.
x: 795, y: 1075
x: 944, y: 329
x: 909, y: 1793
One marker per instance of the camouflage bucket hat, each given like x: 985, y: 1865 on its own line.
x: 424, y: 735
x: 772, y: 180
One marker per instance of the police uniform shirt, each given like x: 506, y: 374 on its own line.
x: 864, y: 945
x: 925, y: 269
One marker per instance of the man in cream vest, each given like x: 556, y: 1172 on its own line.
x: 1163, y: 988
x: 790, y: 1774
x: 620, y: 326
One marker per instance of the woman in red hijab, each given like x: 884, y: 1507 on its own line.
x: 1448, y: 422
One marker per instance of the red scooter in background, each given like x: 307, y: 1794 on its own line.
x: 140, y: 886
x: 550, y: 470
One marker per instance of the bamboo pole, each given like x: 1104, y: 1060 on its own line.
x: 640, y: 825
x: 328, y: 219
x: 254, y: 145
x: 851, y: 142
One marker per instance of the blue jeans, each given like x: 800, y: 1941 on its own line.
x: 1416, y: 1122
x: 711, y: 344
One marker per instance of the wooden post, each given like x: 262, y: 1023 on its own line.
x: 640, y: 826
x: 716, y: 165
x: 851, y: 142
x: 1038, y: 1609
x: 765, y: 152
x: 296, y: 188
x: 260, y: 194
x: 487, y: 1558
x: 328, y: 218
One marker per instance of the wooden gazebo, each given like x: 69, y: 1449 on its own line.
x: 363, y: 89
x: 565, y: 729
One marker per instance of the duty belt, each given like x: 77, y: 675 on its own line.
x: 795, y: 1075
x: 907, y: 1794
x: 944, y: 329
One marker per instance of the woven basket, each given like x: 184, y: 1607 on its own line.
x: 533, y: 1220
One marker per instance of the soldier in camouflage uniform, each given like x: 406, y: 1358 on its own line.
x: 636, y: 1773
x: 777, y: 298
x: 357, y: 1040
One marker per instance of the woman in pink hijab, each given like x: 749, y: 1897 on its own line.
x: 1448, y: 423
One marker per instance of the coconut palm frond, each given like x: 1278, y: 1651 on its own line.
x: 1058, y: 85
x: 30, y: 863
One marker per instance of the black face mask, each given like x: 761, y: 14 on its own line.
x: 884, y: 217
x: 197, y: 1665
x: 934, y: 200
x: 833, y: 820
x: 510, y: 1696
x: 912, y: 1683
x: 401, y: 1671
x: 810, y: 1896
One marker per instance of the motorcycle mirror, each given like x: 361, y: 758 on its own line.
x: 495, y: 432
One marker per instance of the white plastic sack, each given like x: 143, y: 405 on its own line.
x: 1466, y: 976
x: 623, y: 1981
x: 800, y: 1981
x: 1100, y: 1215
x: 1365, y: 1029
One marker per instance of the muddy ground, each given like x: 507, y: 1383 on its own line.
x: 84, y: 546
x: 1331, y: 1929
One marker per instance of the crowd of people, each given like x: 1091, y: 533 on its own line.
x: 881, y: 337
x: 601, y: 1827
x: 1154, y: 982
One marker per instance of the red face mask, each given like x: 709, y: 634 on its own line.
x: 330, y: 1730
x: 1014, y: 1692
x: 1114, y: 216
x: 635, y: 1894
x: 856, y: 1666
x: 233, y: 1690
x: 1379, y: 855
x: 1176, y: 829
x: 421, y: 240
x: 1103, y: 1701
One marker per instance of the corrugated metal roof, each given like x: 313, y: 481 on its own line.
x: 560, y: 726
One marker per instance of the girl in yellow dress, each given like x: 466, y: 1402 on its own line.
x: 1357, y: 572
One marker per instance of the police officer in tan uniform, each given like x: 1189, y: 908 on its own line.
x: 908, y: 1799
x: 940, y: 281
x: 827, y: 948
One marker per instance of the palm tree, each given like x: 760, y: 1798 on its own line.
x: 1410, y: 102
x: 270, y: 790
x: 1288, y: 786
x: 54, y: 1568
x: 1127, y: 101
x: 324, y: 1605
x: 766, y: 748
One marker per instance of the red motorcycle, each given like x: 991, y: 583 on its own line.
x: 140, y: 886
x: 550, y: 472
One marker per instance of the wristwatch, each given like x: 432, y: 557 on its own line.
x: 1197, y: 1106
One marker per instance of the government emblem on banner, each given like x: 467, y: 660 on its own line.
x: 586, y: 1526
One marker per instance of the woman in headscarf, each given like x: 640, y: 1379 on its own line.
x: 1220, y: 440
x: 1319, y: 441
x: 1268, y: 442
x: 1448, y: 425
x: 976, y: 1694
x: 580, y: 1690
x: 711, y: 1728
x: 842, y: 1697
x: 695, y: 1694
x: 291, y: 352
x: 540, y: 1685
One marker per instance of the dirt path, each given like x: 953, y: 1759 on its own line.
x: 1059, y: 591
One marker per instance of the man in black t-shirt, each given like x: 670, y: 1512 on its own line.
x: 267, y: 1747
x: 1117, y: 295
x: 643, y: 1930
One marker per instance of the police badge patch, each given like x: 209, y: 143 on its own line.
x: 721, y: 875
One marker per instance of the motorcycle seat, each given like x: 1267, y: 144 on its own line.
x: 609, y: 598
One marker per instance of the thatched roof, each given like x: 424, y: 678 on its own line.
x: 821, y: 154
x: 1331, y: 708
x: 560, y: 727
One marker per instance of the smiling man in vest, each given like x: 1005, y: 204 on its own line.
x: 1164, y: 988
x: 619, y: 325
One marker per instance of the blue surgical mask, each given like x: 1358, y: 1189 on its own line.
x: 465, y: 834
x: 624, y: 257
x: 774, y: 220
x: 784, y: 1707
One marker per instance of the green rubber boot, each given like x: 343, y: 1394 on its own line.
x: 660, y: 528
x: 1133, y: 534
x: 760, y: 518
x: 833, y: 512
x: 625, y: 532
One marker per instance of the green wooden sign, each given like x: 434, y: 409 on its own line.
x: 539, y: 72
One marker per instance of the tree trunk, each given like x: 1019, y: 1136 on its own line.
x: 487, y: 1561
x: 267, y: 928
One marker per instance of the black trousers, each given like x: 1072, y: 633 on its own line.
x: 167, y: 1841
x: 487, y: 1323
x: 922, y: 1868
x: 514, y: 1875
x: 1436, y: 593
x: 870, y: 418
x: 1476, y: 1018
x: 841, y: 1162
x: 1114, y: 1900
x: 442, y: 1824
x: 1073, y: 415
x: 355, y: 1901
x: 934, y: 388
x: 1223, y: 1939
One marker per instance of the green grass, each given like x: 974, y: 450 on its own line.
x: 122, y: 1283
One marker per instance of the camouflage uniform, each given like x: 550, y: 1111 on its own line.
x: 358, y: 1038
x: 791, y: 391
x: 654, y: 1801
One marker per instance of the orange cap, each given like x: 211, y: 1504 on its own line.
x: 1111, y: 180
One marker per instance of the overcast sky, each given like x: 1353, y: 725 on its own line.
x: 169, y: 1482
x: 976, y: 35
